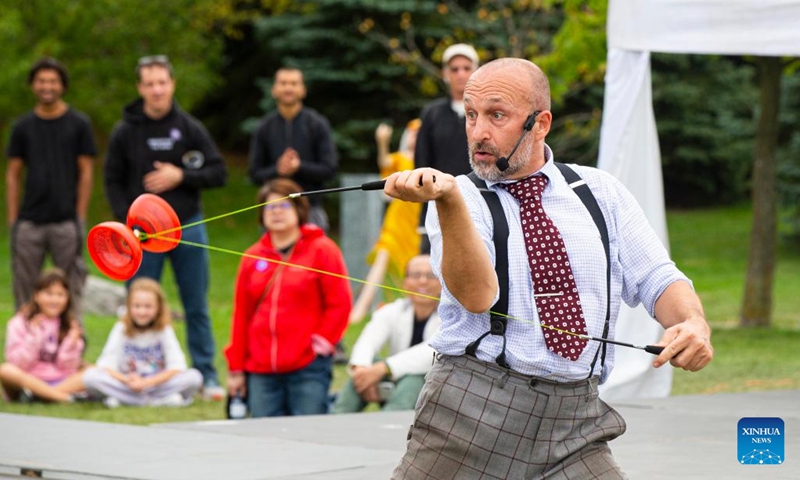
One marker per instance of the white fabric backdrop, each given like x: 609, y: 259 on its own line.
x: 628, y: 138
x: 629, y: 151
x: 730, y: 27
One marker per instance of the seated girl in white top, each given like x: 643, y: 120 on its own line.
x: 142, y: 362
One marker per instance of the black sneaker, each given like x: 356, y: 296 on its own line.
x: 82, y: 397
x: 26, y: 396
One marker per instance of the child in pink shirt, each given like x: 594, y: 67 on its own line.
x: 44, y: 345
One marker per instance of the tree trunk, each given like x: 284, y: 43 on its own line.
x: 757, y: 303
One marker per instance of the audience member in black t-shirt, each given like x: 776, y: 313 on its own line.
x: 54, y: 148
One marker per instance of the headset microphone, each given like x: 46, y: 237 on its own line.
x: 502, y: 162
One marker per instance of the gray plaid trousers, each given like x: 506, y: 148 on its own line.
x: 476, y: 420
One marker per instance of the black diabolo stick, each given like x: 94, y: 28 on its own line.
x: 376, y: 185
x: 654, y: 349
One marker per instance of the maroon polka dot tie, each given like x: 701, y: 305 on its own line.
x: 556, y: 295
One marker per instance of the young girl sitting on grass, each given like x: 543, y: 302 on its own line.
x: 142, y: 362
x: 44, y: 345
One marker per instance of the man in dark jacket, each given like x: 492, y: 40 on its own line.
x: 158, y: 148
x: 442, y: 141
x: 294, y: 142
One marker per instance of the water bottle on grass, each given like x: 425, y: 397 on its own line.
x: 237, y: 408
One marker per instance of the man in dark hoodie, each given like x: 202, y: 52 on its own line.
x: 158, y: 148
x: 295, y: 142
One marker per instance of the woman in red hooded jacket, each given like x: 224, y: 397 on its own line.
x: 288, y: 311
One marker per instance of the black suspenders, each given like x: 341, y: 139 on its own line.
x: 583, y: 192
x: 499, y: 311
x: 498, y: 316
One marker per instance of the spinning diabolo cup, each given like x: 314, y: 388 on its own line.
x: 116, y: 249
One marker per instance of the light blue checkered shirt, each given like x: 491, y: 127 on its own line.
x: 640, y: 271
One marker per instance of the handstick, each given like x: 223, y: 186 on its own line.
x: 376, y: 185
x: 654, y: 349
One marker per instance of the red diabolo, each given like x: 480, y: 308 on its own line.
x: 153, y: 216
x: 116, y: 249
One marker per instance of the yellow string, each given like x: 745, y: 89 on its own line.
x: 206, y: 220
x: 160, y: 235
x: 345, y: 277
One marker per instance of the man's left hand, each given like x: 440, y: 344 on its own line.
x: 687, y: 345
x: 166, y: 176
x: 366, y: 377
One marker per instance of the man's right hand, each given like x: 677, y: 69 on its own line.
x: 165, y: 177
x: 288, y: 162
x: 420, y: 185
x: 365, y: 378
x: 371, y: 394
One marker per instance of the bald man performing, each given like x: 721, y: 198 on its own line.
x: 516, y: 397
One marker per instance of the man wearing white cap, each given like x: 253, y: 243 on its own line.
x: 442, y: 139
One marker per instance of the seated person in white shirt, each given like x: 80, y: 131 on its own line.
x: 406, y: 325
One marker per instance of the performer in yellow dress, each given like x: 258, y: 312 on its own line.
x: 399, y: 239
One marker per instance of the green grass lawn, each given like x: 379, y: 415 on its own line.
x: 709, y: 245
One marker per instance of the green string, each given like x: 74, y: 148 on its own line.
x: 345, y: 277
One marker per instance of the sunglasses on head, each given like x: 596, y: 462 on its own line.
x: 153, y: 60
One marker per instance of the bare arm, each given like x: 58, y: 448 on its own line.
x: 159, y: 378
x: 382, y: 136
x: 687, y: 340
x: 85, y: 170
x: 117, y: 375
x: 13, y: 178
x: 466, y: 267
x: 375, y: 277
